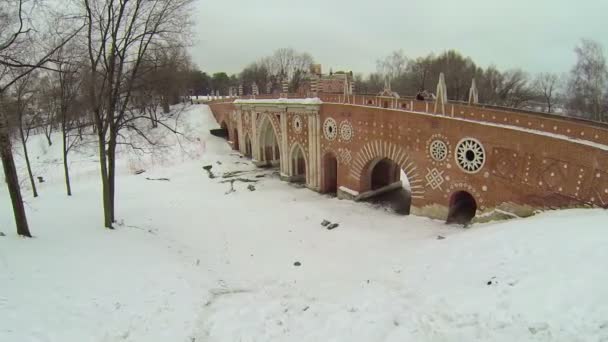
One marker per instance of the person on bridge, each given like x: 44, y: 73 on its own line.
x: 420, y: 96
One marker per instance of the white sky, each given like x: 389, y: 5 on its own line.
x: 537, y: 35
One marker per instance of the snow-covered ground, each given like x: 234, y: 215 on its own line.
x: 191, y: 261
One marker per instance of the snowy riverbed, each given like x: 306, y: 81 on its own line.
x: 191, y: 262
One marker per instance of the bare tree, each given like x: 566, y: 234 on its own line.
x: 392, y: 66
x: 588, y: 81
x: 119, y: 34
x: 70, y: 111
x: 26, y: 116
x: 546, y: 85
x: 21, y: 52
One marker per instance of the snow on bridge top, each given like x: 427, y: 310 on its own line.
x: 304, y: 101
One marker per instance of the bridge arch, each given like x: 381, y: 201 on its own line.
x: 298, y: 163
x: 388, y: 156
x: 268, y: 141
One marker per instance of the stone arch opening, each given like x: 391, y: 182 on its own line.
x: 235, y: 139
x: 297, y: 164
x: 222, y: 131
x: 270, y: 153
x: 370, y: 102
x: 248, y: 151
x: 385, y: 104
x: 330, y: 173
x: 385, y: 183
x: 462, y: 208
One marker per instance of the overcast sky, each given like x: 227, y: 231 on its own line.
x: 537, y: 35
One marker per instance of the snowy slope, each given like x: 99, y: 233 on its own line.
x: 191, y: 262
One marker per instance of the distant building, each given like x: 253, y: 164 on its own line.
x: 316, y: 83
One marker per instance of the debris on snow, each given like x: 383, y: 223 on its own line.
x: 332, y: 226
x: 250, y: 187
x: 40, y: 179
x: 140, y: 171
x: 325, y: 223
x: 2, y: 234
x: 208, y: 169
x: 440, y: 237
x: 158, y: 179
x: 297, y: 263
x: 538, y: 327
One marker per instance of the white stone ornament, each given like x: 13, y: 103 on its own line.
x: 346, y: 130
x: 438, y: 150
x: 470, y: 155
x: 330, y: 129
x: 297, y: 124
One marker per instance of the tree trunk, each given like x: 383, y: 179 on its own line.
x: 165, y: 104
x: 107, y: 216
x: 66, y: 170
x: 12, y: 180
x: 27, y: 160
x: 153, y: 118
x: 112, y: 173
x: 47, y: 134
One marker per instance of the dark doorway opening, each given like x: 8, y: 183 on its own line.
x: 248, y: 150
x: 462, y: 208
x: 330, y: 174
x: 385, y: 172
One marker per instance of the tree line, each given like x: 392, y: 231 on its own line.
x: 582, y: 92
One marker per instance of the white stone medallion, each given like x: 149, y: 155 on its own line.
x: 438, y: 149
x: 346, y: 131
x: 330, y: 129
x: 297, y: 123
x: 470, y: 155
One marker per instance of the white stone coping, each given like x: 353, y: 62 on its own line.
x: 349, y: 191
x: 302, y: 101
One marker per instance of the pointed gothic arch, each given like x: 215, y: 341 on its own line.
x: 298, y: 163
x: 268, y: 141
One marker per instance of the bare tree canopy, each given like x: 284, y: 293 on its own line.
x: 546, y: 85
x: 588, y: 81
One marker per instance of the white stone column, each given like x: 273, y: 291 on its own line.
x: 311, y: 148
x: 255, y: 144
x: 313, y: 171
x: 284, y: 144
x: 239, y: 131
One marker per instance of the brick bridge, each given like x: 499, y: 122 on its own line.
x: 461, y: 161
